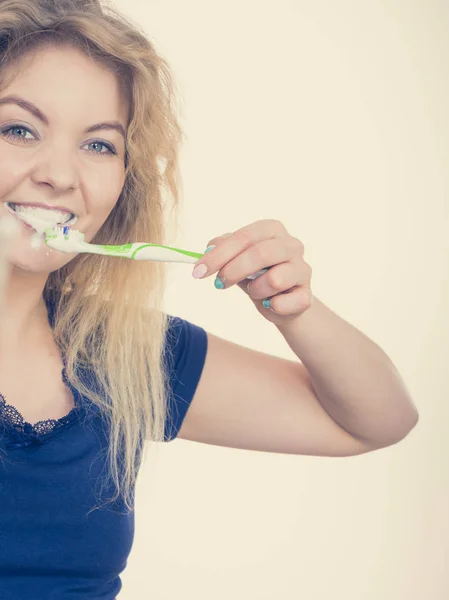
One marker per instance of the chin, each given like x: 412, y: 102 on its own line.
x: 37, y: 264
x: 43, y: 260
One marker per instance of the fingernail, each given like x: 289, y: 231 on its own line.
x: 208, y: 249
x: 267, y: 303
x: 218, y: 283
x: 199, y: 271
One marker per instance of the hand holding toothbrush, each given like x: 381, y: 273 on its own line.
x: 264, y: 245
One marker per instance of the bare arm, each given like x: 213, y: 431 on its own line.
x: 344, y: 398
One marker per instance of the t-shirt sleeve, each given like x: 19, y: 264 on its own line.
x: 185, y: 354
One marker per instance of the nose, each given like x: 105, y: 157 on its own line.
x: 56, y: 168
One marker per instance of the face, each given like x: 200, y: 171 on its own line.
x: 61, y: 145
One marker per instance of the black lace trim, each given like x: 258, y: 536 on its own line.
x: 23, y: 433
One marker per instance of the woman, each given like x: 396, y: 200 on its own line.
x: 88, y: 127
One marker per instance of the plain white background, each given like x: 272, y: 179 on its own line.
x: 331, y: 117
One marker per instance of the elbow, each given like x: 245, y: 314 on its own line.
x: 406, y: 424
x: 411, y: 422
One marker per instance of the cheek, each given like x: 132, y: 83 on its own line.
x: 12, y: 171
x: 102, y: 192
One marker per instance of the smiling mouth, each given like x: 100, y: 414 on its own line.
x: 37, y: 218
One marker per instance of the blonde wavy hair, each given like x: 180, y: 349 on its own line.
x: 109, y: 315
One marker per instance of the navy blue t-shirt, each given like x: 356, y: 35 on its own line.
x: 55, y: 541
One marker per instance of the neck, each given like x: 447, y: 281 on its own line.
x: 23, y: 311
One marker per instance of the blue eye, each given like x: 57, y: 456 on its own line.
x: 98, y: 144
x: 18, y: 132
x: 15, y: 132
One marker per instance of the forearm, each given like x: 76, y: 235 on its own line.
x: 354, y: 379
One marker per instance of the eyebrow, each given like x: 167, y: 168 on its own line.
x: 34, y: 110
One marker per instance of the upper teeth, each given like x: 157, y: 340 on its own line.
x: 38, y: 211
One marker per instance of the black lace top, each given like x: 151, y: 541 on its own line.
x: 22, y: 433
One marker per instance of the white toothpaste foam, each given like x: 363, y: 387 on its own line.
x: 39, y: 219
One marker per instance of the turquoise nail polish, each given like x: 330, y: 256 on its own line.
x: 218, y: 283
x: 208, y: 249
x: 267, y: 303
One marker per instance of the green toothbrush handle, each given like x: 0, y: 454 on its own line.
x: 142, y: 251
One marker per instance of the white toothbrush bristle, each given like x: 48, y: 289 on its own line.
x: 66, y: 240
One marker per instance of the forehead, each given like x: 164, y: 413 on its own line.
x: 66, y: 83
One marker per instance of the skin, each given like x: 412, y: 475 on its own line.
x: 57, y: 164
x: 344, y: 397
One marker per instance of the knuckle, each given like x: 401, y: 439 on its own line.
x: 299, y: 244
x: 306, y: 297
x: 275, y: 281
x: 261, y: 254
x: 278, y: 224
x: 245, y: 236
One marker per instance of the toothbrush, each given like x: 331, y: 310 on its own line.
x: 71, y: 241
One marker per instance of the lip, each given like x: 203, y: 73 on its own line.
x: 41, y: 205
